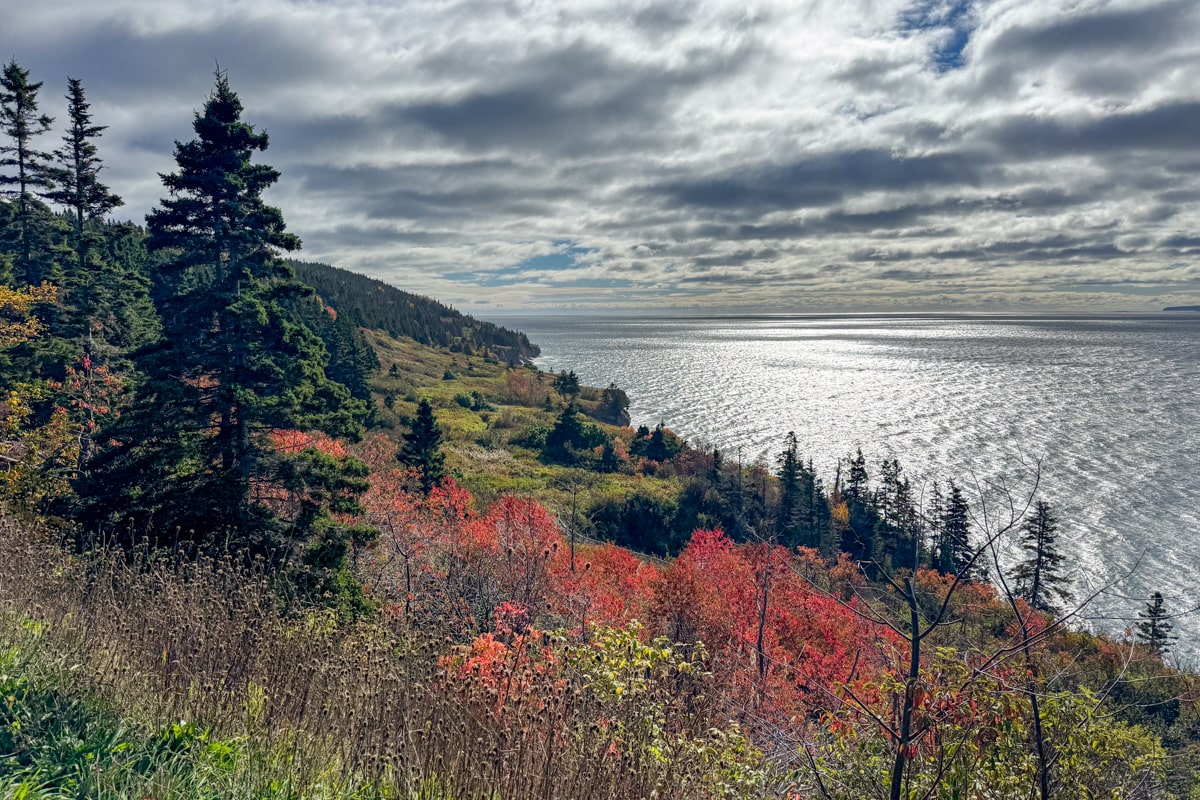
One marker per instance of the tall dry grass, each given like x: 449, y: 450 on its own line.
x: 327, y: 709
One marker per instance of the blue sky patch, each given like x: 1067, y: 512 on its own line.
x: 953, y: 16
x: 566, y: 256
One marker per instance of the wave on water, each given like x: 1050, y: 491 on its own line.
x: 1107, y: 406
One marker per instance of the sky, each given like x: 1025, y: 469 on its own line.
x: 681, y: 156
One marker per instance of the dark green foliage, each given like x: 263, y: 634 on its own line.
x: 641, y: 521
x: 106, y: 308
x: 1155, y: 627
x: 898, y: 530
x: 572, y: 439
x: 658, y: 445
x: 609, y: 461
x: 27, y: 172
x: 1039, y: 576
x: 329, y: 489
x: 474, y: 401
x: 193, y: 457
x: 368, y: 303
x: 953, y: 534
x: 352, y: 360
x: 46, y: 234
x: 566, y: 439
x: 117, y: 306
x: 77, y: 174
x: 794, y: 520
x: 422, y: 447
x: 855, y: 490
x: 567, y: 384
x: 702, y: 504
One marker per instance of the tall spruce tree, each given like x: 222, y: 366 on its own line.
x: 856, y: 480
x: 78, y: 189
x: 1155, y: 627
x: 788, y: 520
x: 21, y: 122
x: 77, y: 170
x: 1040, y: 580
x: 193, y: 458
x: 422, y: 447
x: 954, y: 547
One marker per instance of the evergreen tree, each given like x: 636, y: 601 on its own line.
x: 77, y: 171
x: 22, y: 124
x: 610, y: 461
x: 661, y: 446
x: 856, y: 479
x: 422, y: 447
x: 933, y: 516
x: 567, y: 384
x: 120, y: 313
x: 78, y: 189
x: 1155, y: 627
x: 954, y: 549
x: 1040, y: 580
x: 789, y: 490
x: 567, y: 439
x: 352, y: 360
x: 194, y: 458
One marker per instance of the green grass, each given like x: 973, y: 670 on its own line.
x: 483, y: 450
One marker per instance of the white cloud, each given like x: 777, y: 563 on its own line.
x: 711, y: 154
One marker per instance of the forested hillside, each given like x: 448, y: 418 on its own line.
x: 217, y: 582
x: 370, y: 303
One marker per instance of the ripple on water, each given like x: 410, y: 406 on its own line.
x: 1108, y: 404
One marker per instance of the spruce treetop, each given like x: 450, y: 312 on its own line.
x: 78, y: 165
x: 21, y: 122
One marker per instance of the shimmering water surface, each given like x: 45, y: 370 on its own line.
x: 1109, y: 405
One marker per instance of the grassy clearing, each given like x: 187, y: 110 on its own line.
x: 484, y: 449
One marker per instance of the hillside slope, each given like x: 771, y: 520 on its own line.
x: 369, y: 303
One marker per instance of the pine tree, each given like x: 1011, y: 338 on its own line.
x: 422, y: 447
x: 1155, y: 629
x: 22, y: 124
x: 1040, y: 580
x: 193, y: 458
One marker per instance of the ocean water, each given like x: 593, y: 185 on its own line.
x: 1100, y: 415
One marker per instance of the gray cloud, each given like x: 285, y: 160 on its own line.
x: 709, y: 154
x: 822, y: 181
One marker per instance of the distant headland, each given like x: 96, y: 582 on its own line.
x: 1182, y: 308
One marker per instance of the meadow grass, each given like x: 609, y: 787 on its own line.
x: 138, y: 677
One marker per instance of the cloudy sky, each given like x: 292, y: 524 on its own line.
x: 773, y: 155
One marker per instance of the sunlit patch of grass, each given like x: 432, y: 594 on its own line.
x: 489, y: 451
